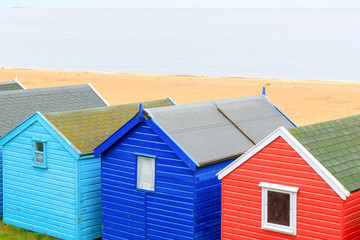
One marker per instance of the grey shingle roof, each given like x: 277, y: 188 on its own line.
x: 336, y: 145
x: 222, y: 129
x: 18, y: 105
x: 11, y: 85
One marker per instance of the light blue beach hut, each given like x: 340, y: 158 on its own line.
x: 51, y: 177
x: 158, y: 171
x: 17, y: 105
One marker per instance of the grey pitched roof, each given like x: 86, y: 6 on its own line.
x: 11, y: 85
x: 218, y: 130
x: 336, y: 145
x: 18, y: 105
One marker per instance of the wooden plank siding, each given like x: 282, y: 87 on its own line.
x: 318, y: 206
x: 89, y: 198
x: 352, y: 216
x: 41, y: 200
x: 129, y: 213
x: 1, y: 182
x: 208, y: 201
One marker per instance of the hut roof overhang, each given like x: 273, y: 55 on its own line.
x: 213, y: 131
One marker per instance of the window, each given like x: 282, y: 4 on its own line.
x: 39, y: 154
x: 278, y: 210
x: 145, y: 173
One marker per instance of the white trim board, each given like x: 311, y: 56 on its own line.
x: 99, y: 95
x: 17, y: 81
x: 300, y: 149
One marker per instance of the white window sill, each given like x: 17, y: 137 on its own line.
x: 286, y: 230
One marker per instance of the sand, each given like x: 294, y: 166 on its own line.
x: 304, y: 102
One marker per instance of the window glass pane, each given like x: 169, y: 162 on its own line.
x: 278, y: 208
x: 146, y: 173
x: 39, y: 158
x: 39, y: 146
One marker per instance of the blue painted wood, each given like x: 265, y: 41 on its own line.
x: 208, y: 201
x: 129, y: 213
x: 63, y: 200
x: 116, y: 135
x: 185, y: 203
x: 156, y: 129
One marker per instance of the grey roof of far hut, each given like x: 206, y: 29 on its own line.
x: 18, y: 105
x: 11, y: 85
x: 222, y: 129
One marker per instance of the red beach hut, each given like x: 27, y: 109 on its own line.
x: 302, y: 183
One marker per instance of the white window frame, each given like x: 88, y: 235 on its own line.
x: 152, y: 188
x: 44, y: 153
x: 292, y: 191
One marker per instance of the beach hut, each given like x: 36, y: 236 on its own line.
x: 11, y: 85
x: 51, y: 177
x: 18, y: 105
x: 301, y: 183
x: 158, y: 170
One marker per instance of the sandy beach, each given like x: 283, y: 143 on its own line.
x: 304, y: 102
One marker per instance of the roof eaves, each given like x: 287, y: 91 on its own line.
x: 281, y: 112
x: 171, y: 100
x: 116, y: 136
x: 188, y: 160
x: 17, y: 81
x: 98, y: 94
x: 221, y: 159
x: 300, y: 149
x: 17, y: 130
x: 61, y: 135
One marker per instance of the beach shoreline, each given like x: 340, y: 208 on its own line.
x: 303, y: 101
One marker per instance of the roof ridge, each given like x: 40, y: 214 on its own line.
x: 323, y: 123
x: 33, y: 91
x: 97, y: 109
x: 8, y: 82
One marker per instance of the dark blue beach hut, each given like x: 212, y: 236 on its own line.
x: 17, y: 105
x: 51, y: 177
x: 158, y: 171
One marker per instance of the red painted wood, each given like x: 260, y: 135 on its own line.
x: 352, y: 216
x: 319, y: 208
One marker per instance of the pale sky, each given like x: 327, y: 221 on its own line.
x: 178, y: 3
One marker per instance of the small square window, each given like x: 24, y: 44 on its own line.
x: 278, y: 208
x: 39, y: 154
x: 146, y: 173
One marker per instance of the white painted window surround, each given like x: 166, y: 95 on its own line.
x: 265, y: 203
x: 146, y: 173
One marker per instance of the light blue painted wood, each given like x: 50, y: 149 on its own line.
x: 29, y: 201
x: 63, y: 200
x: 1, y: 182
x: 90, y: 198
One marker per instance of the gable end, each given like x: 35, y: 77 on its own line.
x: 38, y: 117
x: 300, y: 149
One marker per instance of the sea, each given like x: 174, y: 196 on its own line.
x: 316, y: 44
